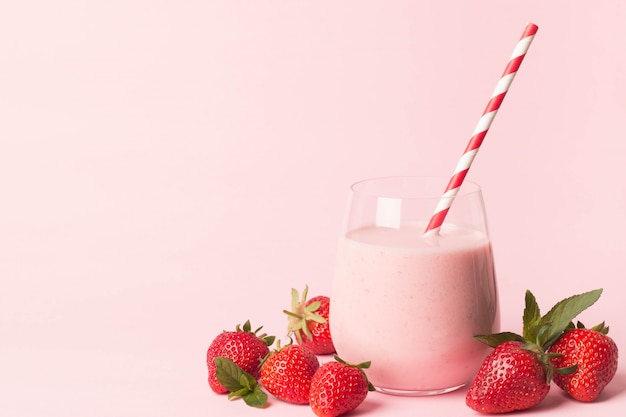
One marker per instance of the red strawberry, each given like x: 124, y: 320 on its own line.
x: 287, y: 373
x: 243, y: 347
x: 338, y: 387
x: 308, y: 321
x: 517, y: 374
x: 511, y: 378
x: 595, y: 355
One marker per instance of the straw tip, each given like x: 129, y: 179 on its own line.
x: 531, y: 29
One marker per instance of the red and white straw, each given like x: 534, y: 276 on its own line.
x: 481, y: 129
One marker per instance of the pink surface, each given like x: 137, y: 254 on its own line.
x: 170, y: 169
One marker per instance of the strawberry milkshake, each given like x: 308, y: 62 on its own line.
x: 410, y: 303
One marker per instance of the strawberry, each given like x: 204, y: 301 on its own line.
x: 243, y: 347
x: 287, y: 373
x: 511, y: 378
x: 517, y: 374
x: 338, y: 387
x: 595, y: 356
x: 308, y: 321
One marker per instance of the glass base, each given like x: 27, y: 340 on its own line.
x: 417, y: 393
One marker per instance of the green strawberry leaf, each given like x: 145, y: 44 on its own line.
x: 360, y: 366
x: 496, y: 339
x: 238, y: 382
x: 247, y: 327
x: 560, y: 316
x: 268, y: 340
x: 313, y: 307
x: 602, y: 328
x: 566, y: 371
x: 316, y: 318
x: 532, y: 316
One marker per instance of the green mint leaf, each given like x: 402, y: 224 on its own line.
x: 543, y: 328
x: 494, y: 340
x: 247, y: 381
x: 230, y: 375
x: 238, y: 394
x: 239, y: 383
x: 255, y: 398
x: 532, y: 316
x: 563, y: 312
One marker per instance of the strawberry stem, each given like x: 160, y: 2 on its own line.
x: 301, y: 314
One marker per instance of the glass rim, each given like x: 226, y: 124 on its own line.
x: 439, y: 182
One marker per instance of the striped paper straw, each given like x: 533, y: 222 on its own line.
x: 481, y: 129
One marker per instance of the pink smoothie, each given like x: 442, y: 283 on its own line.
x: 410, y: 304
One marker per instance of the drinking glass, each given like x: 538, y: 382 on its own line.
x: 407, y: 301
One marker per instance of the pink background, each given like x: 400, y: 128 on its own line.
x: 169, y: 169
